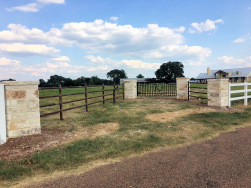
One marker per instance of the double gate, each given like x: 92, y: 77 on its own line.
x: 156, y: 89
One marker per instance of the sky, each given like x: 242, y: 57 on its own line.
x: 74, y: 38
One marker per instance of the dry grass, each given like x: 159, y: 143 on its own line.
x: 127, y: 128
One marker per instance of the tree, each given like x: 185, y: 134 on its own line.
x: 116, y: 75
x: 95, y: 81
x: 55, y: 80
x: 140, y: 76
x: 168, y: 72
x: 10, y: 79
x: 42, y: 83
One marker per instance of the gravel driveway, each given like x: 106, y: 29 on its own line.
x: 224, y: 161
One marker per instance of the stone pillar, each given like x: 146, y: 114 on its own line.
x: 130, y: 89
x: 218, y: 92
x: 22, y: 108
x: 3, y: 137
x: 182, y: 87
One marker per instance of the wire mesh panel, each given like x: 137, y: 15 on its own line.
x: 156, y: 89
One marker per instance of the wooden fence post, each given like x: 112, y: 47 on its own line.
x: 86, y: 102
x: 114, y: 95
x: 103, y: 88
x: 60, y: 102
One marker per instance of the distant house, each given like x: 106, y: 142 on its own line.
x: 234, y: 75
x: 138, y: 80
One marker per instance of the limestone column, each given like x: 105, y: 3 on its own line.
x: 22, y: 108
x: 218, y: 92
x: 130, y: 89
x: 182, y: 87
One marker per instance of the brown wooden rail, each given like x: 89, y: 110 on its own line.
x: 85, y: 99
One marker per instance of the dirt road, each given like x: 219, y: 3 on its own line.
x: 224, y: 161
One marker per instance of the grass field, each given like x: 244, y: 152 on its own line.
x: 136, y: 134
x: 91, y: 92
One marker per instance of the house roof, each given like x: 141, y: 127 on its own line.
x: 138, y: 79
x: 236, y: 72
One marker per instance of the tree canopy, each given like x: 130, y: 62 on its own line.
x: 116, y: 75
x: 168, y: 72
x: 140, y: 76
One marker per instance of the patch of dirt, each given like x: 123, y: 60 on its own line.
x: 18, y: 148
x: 169, y: 116
x: 98, y: 130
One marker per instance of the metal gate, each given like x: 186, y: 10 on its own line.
x: 197, y: 90
x: 156, y: 89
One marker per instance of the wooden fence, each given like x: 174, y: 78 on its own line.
x: 56, y: 100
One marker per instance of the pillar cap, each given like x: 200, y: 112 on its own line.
x: 19, y: 83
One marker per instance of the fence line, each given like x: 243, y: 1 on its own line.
x: 86, y: 98
x: 244, y: 91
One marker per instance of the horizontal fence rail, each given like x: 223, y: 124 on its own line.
x: 197, y: 90
x: 156, y: 89
x: 57, y: 100
x: 241, y: 89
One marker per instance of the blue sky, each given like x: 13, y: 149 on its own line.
x: 74, y: 38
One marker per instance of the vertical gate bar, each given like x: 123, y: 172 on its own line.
x: 188, y: 85
x: 164, y: 89
x: 86, y: 102
x: 171, y: 91
x: 147, y: 88
x: 60, y: 102
x: 167, y: 89
x: 103, y: 91
x: 153, y: 89
x: 162, y: 86
x: 137, y: 89
x: 140, y: 89
x: 114, y: 98
x: 123, y: 89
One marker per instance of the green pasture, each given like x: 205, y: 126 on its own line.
x: 96, y: 91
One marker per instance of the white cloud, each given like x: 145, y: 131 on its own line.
x: 19, y: 33
x: 32, y: 7
x: 244, y: 62
x: 113, y: 18
x: 239, y: 40
x: 208, y: 25
x: 62, y: 59
x: 26, y: 50
x: 8, y: 62
x: 51, y: 1
x: 97, y: 59
x: 243, y: 38
x: 138, y: 64
x: 106, y: 38
x: 135, y: 64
